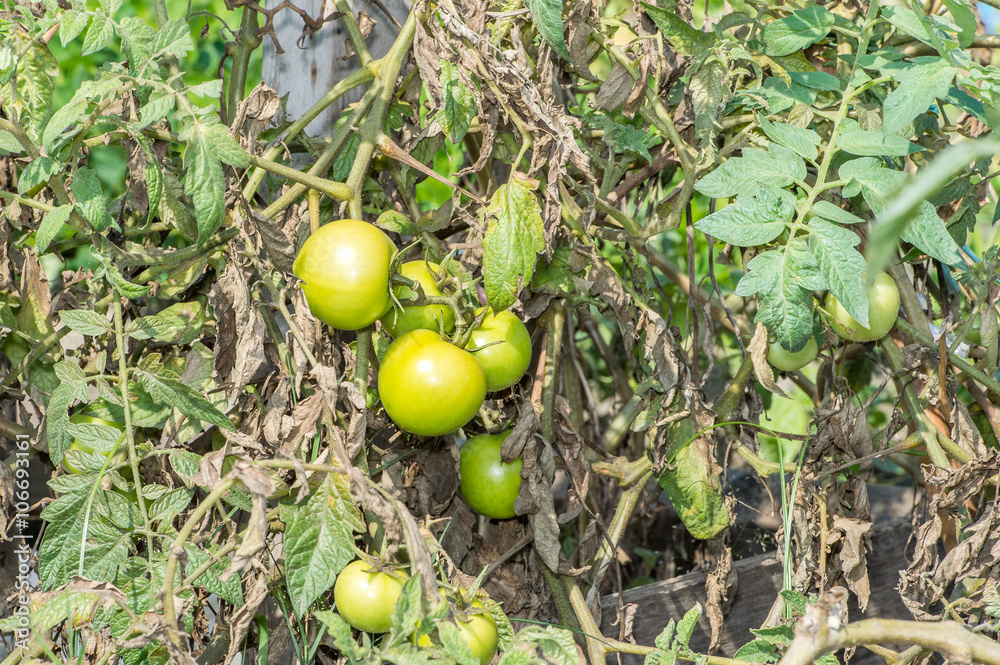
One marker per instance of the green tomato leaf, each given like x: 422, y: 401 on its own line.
x: 547, y: 17
x: 842, y: 265
x: 99, y: 35
x: 920, y: 83
x: 37, y: 172
x: 684, y: 39
x: 91, y: 200
x: 396, y: 222
x: 61, y: 120
x: 319, y: 540
x: 778, y: 166
x: 875, y: 144
x: 57, y: 416
x: 166, y: 388
x: 459, y: 103
x: 514, y: 237
x: 665, y: 640
x: 752, y: 220
x: 965, y: 19
x: 833, y: 213
x: 154, y: 190
x: 758, y: 651
x: 783, y: 280
x: 797, y: 31
x: 878, y: 186
x: 203, y: 178
x: 803, y: 141
x: 156, y: 109
x: 115, y: 277
x: 340, y: 632
x: 86, y: 322
x: 137, y: 38
x: 170, y: 504
x: 211, y: 580
x: 173, y: 39
x: 686, y: 626
x: 345, y: 158
x: 816, y: 80
x: 71, y: 25
x: 50, y: 227
x: 181, y: 323
x: 102, y: 438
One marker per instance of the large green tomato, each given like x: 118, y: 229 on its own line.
x: 504, y: 362
x: 425, y: 317
x: 489, y: 485
x: 81, y: 418
x: 883, y: 306
x: 344, y: 268
x: 429, y: 386
x: 366, y: 598
x: 783, y: 359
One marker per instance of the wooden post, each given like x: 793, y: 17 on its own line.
x: 312, y: 64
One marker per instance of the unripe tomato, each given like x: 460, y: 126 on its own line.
x: 883, y: 306
x: 479, y: 631
x: 344, y: 268
x: 429, y: 386
x: 366, y: 598
x: 481, y: 634
x: 506, y: 362
x: 489, y: 485
x: 783, y: 359
x: 426, y: 316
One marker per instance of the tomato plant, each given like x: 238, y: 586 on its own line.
x: 657, y: 191
x: 366, y: 597
x: 488, y: 484
x: 883, y: 307
x: 344, y: 268
x: 429, y: 386
x: 427, y: 317
x: 783, y: 359
x: 502, y: 346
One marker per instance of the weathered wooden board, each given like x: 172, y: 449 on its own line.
x: 314, y: 63
x: 759, y: 584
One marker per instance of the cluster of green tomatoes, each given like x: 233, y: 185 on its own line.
x: 883, y: 305
x: 428, y: 384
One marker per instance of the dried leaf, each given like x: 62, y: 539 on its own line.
x: 758, y: 354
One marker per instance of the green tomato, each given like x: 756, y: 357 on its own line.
x: 429, y: 386
x: 783, y: 359
x: 425, y: 317
x: 344, y: 268
x: 503, y: 349
x: 365, y: 597
x: 883, y: 307
x: 489, y: 485
x: 479, y: 632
